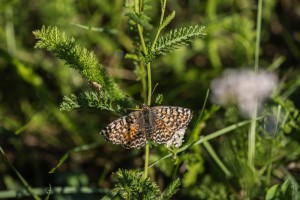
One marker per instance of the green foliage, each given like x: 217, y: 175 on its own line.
x: 137, y: 13
x: 289, y: 117
x: 87, y: 64
x: 79, y: 58
x: 174, y: 39
x: 281, y: 191
x: 208, y: 189
x: 167, y: 20
x: 159, y: 99
x: 140, y: 18
x: 76, y: 149
x: 99, y: 99
x: 170, y: 190
x: 132, y: 185
x: 222, y: 30
x: 194, y: 167
x: 19, y: 175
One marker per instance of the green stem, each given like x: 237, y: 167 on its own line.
x: 252, y: 128
x: 22, y: 179
x: 147, y: 148
x: 214, y: 155
x: 149, y: 83
x: 138, y: 9
x: 155, y: 39
x: 9, y: 30
x: 251, y: 149
x: 144, y: 82
x: 68, y: 190
x: 251, y: 139
x: 138, y: 6
x: 163, y: 7
x: 269, y: 170
x: 149, y: 79
x: 258, y: 32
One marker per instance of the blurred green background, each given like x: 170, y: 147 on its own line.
x: 35, y: 134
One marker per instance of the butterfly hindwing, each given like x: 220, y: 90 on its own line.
x: 168, y: 121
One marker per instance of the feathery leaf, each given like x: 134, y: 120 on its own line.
x: 132, y: 185
x: 140, y: 18
x: 167, y: 20
x: 77, y: 57
x: 175, y: 39
x: 91, y: 99
x: 170, y: 190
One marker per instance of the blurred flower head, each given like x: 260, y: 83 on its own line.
x: 245, y: 88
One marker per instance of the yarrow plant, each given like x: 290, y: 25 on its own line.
x: 161, y: 124
x: 245, y: 88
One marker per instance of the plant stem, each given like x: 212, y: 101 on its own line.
x: 22, y: 179
x: 147, y: 148
x: 269, y: 170
x: 258, y: 32
x: 252, y: 128
x: 138, y: 8
x: 214, y: 155
x: 163, y: 7
x: 149, y: 83
x: 251, y: 139
x: 66, y: 190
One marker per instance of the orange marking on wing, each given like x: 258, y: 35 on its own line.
x: 130, y: 135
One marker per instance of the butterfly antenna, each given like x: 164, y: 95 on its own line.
x: 154, y: 89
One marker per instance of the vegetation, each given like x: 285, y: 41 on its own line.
x: 70, y: 68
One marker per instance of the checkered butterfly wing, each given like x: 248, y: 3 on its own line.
x: 126, y: 131
x: 168, y: 122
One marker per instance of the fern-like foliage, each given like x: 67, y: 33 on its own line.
x: 140, y: 18
x: 77, y: 57
x: 174, y: 39
x: 91, y: 99
x: 159, y: 98
x: 132, y: 185
x: 170, y: 190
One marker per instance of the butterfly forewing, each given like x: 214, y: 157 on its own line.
x: 126, y: 131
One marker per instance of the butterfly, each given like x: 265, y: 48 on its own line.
x: 162, y: 124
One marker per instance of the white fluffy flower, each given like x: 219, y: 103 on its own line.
x: 245, y: 88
